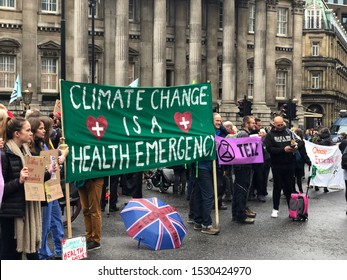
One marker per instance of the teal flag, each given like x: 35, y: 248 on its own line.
x: 116, y: 130
x: 17, y: 91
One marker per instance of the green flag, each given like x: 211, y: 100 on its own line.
x: 116, y: 130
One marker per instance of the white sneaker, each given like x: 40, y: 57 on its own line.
x: 274, y: 213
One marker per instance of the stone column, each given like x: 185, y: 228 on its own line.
x: 122, y: 43
x: 259, y: 106
x: 81, y: 59
x: 29, y: 48
x: 110, y: 41
x: 271, y: 29
x: 241, y: 51
x: 298, y: 9
x: 180, y: 42
x: 229, y: 64
x: 69, y: 38
x: 146, y: 57
x: 195, y: 41
x: 212, y: 45
x: 159, y: 43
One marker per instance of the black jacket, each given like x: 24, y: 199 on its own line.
x: 275, y: 141
x: 13, y: 201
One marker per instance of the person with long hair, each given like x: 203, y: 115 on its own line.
x: 20, y: 219
x: 51, y: 212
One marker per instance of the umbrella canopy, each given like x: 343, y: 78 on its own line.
x: 154, y: 223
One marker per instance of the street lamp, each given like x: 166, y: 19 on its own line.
x: 92, y: 4
x: 219, y: 103
x: 27, y: 97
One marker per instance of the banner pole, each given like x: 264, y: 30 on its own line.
x: 109, y: 195
x: 67, y: 187
x: 215, y: 192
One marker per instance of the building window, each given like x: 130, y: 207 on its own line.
x: 344, y: 20
x: 281, y: 83
x: 131, y: 72
x: 315, y: 48
x: 49, y: 6
x: 220, y: 14
x: 282, y: 21
x: 251, y: 19
x: 170, y: 13
x: 7, y: 71
x: 132, y: 10
x: 49, y: 74
x: 313, y: 17
x: 250, y: 83
x: 315, y: 79
x: 96, y: 76
x: 7, y: 3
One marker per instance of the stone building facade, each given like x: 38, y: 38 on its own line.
x: 324, y: 67
x: 245, y: 48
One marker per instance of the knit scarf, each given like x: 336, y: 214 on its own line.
x: 28, y: 231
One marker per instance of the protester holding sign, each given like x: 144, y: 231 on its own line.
x: 281, y: 145
x: 51, y: 214
x: 20, y: 220
x: 243, y: 174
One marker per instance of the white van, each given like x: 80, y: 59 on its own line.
x: 339, y: 126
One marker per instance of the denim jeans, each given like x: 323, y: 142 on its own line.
x: 51, y: 222
x: 203, y: 198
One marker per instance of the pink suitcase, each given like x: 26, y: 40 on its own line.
x: 298, y: 206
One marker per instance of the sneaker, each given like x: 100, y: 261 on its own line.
x: 261, y: 198
x: 250, y: 213
x: 274, y: 213
x: 210, y: 230
x: 93, y: 245
x: 190, y: 221
x: 197, y: 227
x: 248, y: 221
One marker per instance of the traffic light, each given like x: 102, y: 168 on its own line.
x: 241, y: 108
x: 285, y: 111
x: 293, y: 114
x: 247, y: 107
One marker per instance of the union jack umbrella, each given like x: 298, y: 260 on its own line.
x: 154, y: 223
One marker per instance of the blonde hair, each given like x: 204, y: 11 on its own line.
x: 3, y: 123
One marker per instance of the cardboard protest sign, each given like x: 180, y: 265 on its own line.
x: 57, y: 106
x: 246, y: 150
x: 74, y: 248
x: 34, y: 186
x: 52, y: 186
x: 116, y: 130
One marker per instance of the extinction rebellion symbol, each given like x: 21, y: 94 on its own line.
x: 225, y: 151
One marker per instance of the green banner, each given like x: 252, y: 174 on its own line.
x: 116, y: 130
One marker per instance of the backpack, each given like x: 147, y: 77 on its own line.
x: 344, y: 159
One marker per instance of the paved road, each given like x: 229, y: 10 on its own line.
x: 322, y: 237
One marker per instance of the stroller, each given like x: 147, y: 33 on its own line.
x: 161, y: 178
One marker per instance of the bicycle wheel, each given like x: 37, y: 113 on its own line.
x: 75, y: 210
x: 75, y: 204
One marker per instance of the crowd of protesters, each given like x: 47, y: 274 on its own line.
x: 27, y: 225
